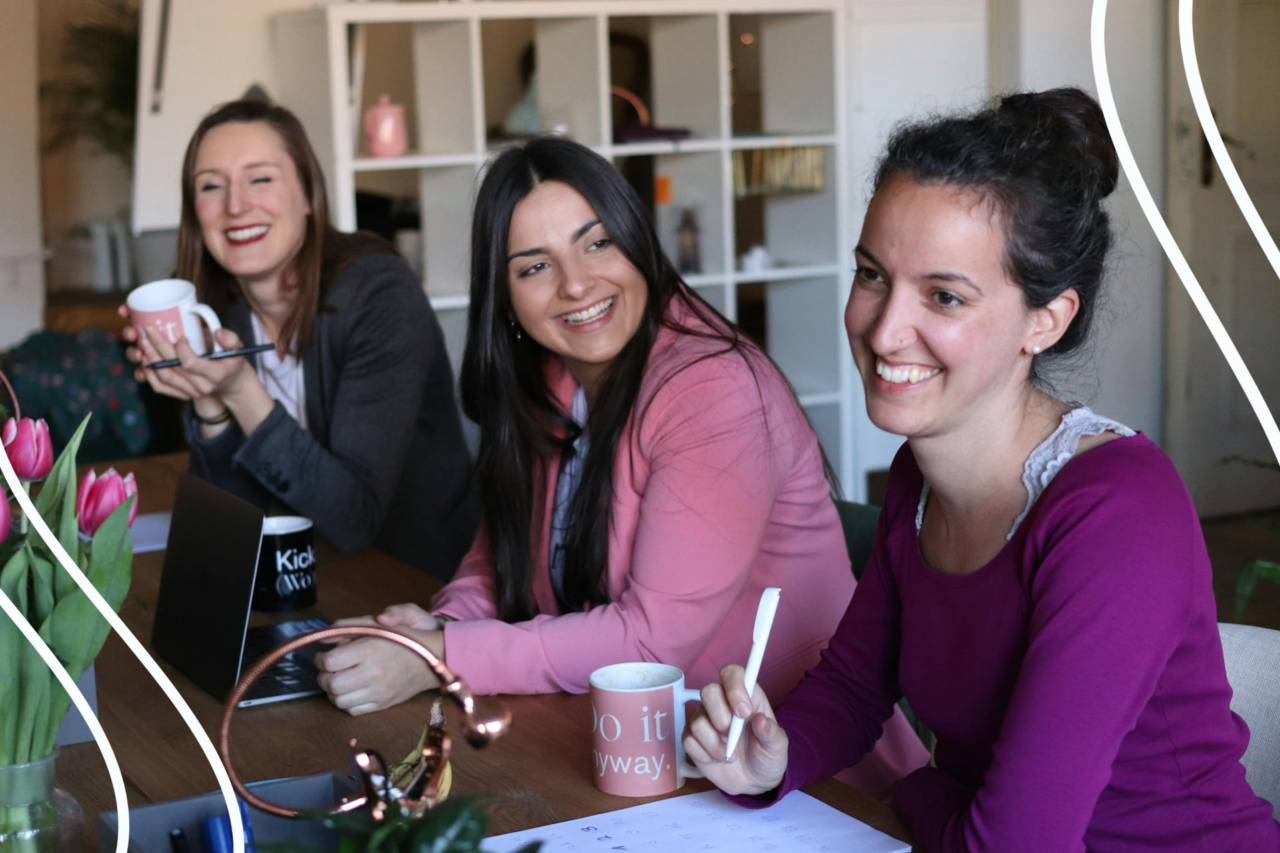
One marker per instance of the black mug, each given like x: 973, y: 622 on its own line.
x: 286, y: 565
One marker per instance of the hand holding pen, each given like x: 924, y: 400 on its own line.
x: 210, y: 384
x: 755, y: 760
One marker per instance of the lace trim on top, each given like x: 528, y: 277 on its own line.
x: 1050, y: 455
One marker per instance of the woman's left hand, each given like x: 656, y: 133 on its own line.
x: 370, y: 674
x: 196, y: 377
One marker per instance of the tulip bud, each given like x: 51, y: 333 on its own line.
x: 29, y: 448
x: 4, y: 515
x: 98, y: 497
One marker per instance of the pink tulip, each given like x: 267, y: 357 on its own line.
x: 29, y: 448
x: 98, y: 497
x: 4, y: 516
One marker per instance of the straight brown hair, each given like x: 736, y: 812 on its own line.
x: 217, y: 287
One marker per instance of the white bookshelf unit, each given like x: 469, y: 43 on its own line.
x: 740, y: 75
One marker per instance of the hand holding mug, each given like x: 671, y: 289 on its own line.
x: 760, y: 759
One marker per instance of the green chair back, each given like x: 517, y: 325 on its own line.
x: 859, y: 524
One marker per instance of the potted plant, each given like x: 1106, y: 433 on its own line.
x: 1257, y: 568
x: 457, y: 825
x: 91, y: 522
x: 98, y: 99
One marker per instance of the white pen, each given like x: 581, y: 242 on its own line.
x: 759, y: 639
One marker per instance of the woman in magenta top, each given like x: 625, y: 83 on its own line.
x: 645, y: 471
x: 1039, y: 588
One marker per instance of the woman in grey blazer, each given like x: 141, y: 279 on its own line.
x: 351, y: 420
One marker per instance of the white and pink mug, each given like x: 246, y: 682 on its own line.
x: 169, y: 306
x: 637, y: 726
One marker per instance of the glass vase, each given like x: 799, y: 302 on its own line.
x: 36, y: 816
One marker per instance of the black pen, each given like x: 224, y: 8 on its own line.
x: 214, y: 356
x: 178, y: 841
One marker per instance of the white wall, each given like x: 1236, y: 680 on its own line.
x: 1124, y: 377
x: 21, y: 264
x: 905, y: 59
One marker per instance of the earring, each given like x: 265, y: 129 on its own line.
x: 1035, y: 350
x: 516, y: 328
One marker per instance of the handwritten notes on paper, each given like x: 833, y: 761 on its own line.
x: 708, y: 822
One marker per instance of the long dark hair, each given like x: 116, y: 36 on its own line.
x: 1046, y: 160
x: 324, y: 251
x: 504, y: 387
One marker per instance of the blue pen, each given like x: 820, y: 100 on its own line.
x: 216, y: 832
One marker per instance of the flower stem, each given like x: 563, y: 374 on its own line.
x: 17, y: 407
x: 23, y: 522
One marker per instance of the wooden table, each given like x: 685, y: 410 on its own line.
x: 540, y: 773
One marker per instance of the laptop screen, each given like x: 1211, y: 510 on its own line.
x: 206, y: 590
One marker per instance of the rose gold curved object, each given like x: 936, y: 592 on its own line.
x: 484, y: 720
x: 642, y: 112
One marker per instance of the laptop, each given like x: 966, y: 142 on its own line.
x: 206, y: 593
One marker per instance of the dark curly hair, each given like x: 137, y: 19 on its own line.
x: 1046, y: 161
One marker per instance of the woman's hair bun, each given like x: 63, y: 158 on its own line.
x: 1046, y: 160
x: 1069, y: 126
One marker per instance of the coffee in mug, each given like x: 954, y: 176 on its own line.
x: 169, y: 306
x: 637, y: 726
x: 286, y: 565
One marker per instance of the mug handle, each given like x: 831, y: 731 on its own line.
x: 682, y: 696
x: 204, y: 312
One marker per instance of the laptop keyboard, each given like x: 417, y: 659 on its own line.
x: 295, y: 672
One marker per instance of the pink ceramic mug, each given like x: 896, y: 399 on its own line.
x: 169, y: 306
x: 385, y: 133
x: 637, y: 723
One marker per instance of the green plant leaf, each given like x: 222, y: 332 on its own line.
x: 41, y: 587
x: 1266, y: 570
x: 13, y: 582
x: 1245, y: 582
x: 457, y: 826
x: 33, y: 683
x: 48, y: 723
x: 61, y: 476
x: 78, y: 630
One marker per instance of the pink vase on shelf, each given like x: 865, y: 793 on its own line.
x: 385, y: 132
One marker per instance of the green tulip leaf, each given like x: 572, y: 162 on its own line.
x: 13, y: 582
x: 61, y: 479
x: 33, y: 683
x: 41, y: 587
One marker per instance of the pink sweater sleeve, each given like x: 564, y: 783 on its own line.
x: 470, y: 594
x: 713, y: 476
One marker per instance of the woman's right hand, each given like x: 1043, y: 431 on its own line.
x: 760, y: 758
x: 410, y: 616
x: 138, y: 352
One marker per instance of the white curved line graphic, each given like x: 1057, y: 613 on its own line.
x: 64, y: 678
x: 1187, y: 38
x: 220, y: 772
x: 1140, y: 191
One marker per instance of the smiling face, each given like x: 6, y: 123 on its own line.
x: 940, y: 333
x: 572, y: 289
x: 249, y: 200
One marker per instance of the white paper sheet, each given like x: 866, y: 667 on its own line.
x: 151, y: 532
x: 708, y: 822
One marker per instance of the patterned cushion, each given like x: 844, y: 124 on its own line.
x: 62, y: 378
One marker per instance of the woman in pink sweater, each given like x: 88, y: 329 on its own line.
x: 645, y: 470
